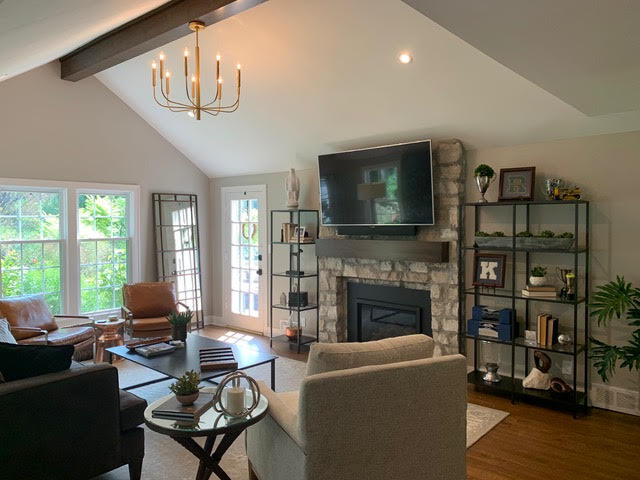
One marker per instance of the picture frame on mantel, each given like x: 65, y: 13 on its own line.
x: 489, y: 270
x: 517, y: 184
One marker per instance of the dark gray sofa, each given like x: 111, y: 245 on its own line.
x: 74, y: 424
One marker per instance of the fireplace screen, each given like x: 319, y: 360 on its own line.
x: 380, y: 311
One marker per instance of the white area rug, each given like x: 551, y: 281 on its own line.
x: 166, y: 460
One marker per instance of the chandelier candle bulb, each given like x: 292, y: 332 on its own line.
x: 186, y: 62
x: 167, y: 76
x: 239, y: 68
x: 161, y: 57
x: 193, y: 86
x: 153, y: 74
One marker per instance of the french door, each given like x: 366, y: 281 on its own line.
x: 244, y: 237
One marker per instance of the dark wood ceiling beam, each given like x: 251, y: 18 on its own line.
x: 156, y: 28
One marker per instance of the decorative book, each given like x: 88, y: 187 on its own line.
x: 174, y: 410
x: 143, y: 342
x: 219, y: 358
x: 149, y: 351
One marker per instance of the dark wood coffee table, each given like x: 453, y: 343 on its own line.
x: 173, y: 365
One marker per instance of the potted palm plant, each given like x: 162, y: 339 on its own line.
x: 616, y: 299
x: 186, y: 388
x: 179, y: 322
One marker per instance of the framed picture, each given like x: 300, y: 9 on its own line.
x: 298, y: 231
x: 517, y: 183
x: 488, y: 270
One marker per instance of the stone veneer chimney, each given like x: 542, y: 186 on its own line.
x: 441, y: 279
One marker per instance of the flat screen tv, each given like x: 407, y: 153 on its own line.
x: 389, y: 185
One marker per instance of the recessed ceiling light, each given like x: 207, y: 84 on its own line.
x: 405, y: 58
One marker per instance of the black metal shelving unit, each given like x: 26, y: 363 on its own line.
x: 578, y: 351
x: 299, y: 217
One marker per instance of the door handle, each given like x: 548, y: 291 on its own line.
x: 259, y: 271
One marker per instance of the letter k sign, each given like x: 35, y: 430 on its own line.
x: 488, y: 270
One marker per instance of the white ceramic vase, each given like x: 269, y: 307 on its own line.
x: 537, y: 281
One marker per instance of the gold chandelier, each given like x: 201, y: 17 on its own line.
x: 194, y: 107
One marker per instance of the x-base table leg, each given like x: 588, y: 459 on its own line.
x: 209, y: 462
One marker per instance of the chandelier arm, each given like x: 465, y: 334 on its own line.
x: 171, y: 107
x: 172, y: 101
x: 227, y: 108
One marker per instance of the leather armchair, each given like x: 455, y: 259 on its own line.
x: 31, y: 322
x: 146, y: 307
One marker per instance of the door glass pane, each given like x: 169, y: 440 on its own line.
x: 245, y: 284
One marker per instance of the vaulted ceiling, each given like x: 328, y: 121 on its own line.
x: 35, y: 32
x: 320, y: 76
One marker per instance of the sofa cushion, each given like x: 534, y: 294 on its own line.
x: 150, y: 299
x: 5, y: 332
x: 152, y: 323
x: 327, y: 357
x: 131, y: 411
x: 24, y: 361
x: 38, y: 340
x: 71, y: 335
x: 30, y: 311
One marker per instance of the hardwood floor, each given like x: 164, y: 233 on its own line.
x: 535, y: 443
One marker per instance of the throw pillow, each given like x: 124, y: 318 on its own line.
x: 5, y: 332
x: 24, y: 361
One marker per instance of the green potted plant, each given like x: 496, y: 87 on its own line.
x: 616, y: 299
x: 538, y: 276
x: 179, y: 322
x: 484, y: 175
x: 186, y: 388
x: 495, y: 239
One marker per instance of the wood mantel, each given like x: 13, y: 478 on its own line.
x: 410, y: 250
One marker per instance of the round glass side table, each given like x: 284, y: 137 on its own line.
x: 209, y: 425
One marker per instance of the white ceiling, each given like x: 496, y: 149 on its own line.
x: 322, y: 75
x: 319, y: 76
x: 35, y: 32
x: 586, y: 52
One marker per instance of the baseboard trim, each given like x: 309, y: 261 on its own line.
x: 618, y: 399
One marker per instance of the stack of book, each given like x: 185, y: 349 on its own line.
x: 547, y: 330
x: 539, y: 292
x: 174, y: 410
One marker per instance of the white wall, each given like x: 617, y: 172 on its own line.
x: 607, y: 167
x: 51, y: 129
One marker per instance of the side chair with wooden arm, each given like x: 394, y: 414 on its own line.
x: 145, y: 308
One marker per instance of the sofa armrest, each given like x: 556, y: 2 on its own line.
x: 49, y: 419
x: 30, y: 332
x: 281, y: 413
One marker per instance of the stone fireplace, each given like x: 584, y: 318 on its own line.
x: 438, y: 280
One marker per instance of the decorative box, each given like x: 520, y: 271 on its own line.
x: 501, y: 331
x: 298, y: 299
x: 482, y: 313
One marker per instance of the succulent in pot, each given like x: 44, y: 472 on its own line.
x: 484, y: 175
x: 538, y: 276
x: 179, y: 322
x: 186, y: 388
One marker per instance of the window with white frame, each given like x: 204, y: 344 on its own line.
x: 31, y: 244
x: 74, y: 243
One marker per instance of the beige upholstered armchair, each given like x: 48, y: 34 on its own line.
x: 380, y: 410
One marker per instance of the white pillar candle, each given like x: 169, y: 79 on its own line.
x: 235, y: 400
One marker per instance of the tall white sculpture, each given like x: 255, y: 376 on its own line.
x: 292, y: 185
